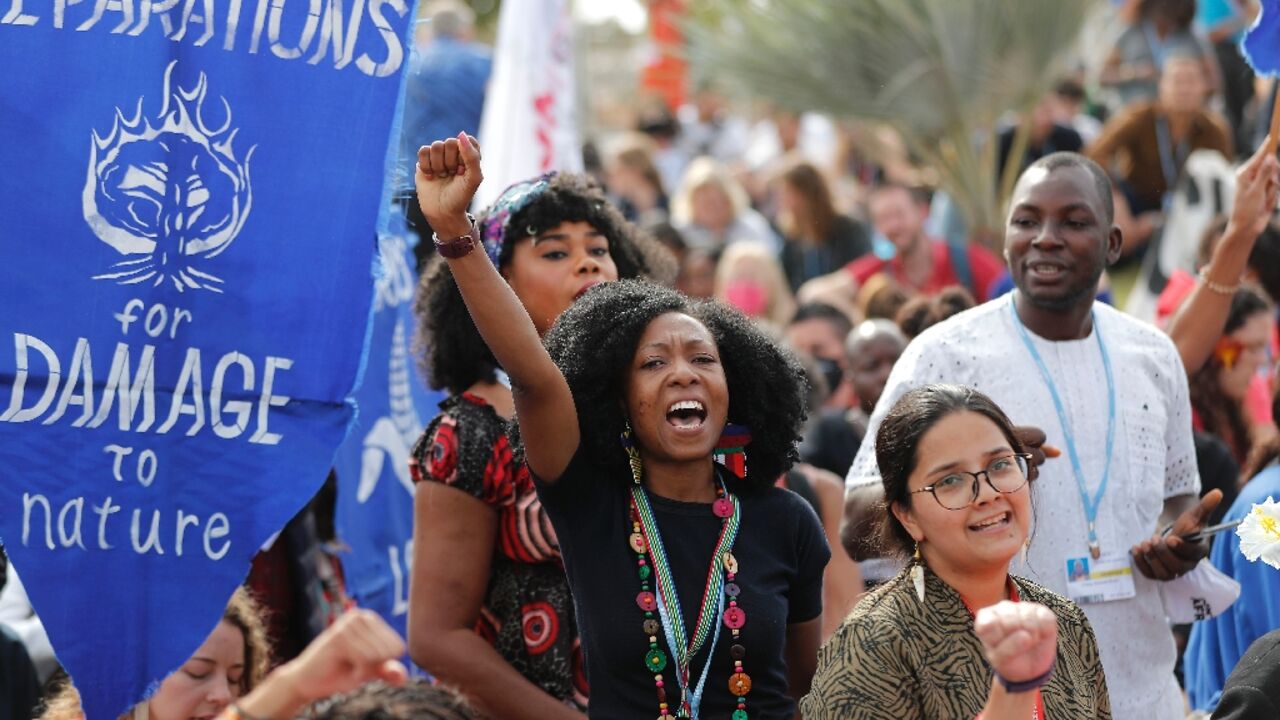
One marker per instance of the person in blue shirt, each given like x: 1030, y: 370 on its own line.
x: 1217, y: 644
x: 1223, y: 22
x: 445, y: 89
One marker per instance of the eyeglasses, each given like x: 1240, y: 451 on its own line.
x: 1004, y: 474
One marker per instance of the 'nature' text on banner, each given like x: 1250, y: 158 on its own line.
x: 188, y: 202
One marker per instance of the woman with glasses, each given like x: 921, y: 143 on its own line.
x: 955, y: 635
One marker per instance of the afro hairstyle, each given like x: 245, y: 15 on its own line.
x: 594, y: 343
x: 452, y: 354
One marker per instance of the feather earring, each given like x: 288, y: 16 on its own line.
x: 917, y: 573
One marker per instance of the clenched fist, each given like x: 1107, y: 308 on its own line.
x: 1020, y: 639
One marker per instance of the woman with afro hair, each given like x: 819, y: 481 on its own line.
x: 698, y: 586
x: 490, y: 610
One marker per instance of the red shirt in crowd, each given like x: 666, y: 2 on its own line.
x: 984, y: 267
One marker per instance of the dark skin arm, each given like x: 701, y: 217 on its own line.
x: 447, y: 177
x: 1166, y: 555
x: 802, y: 658
x: 453, y: 542
x: 864, y: 506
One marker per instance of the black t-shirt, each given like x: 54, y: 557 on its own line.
x: 781, y: 552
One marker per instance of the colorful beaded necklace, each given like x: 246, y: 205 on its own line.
x: 651, y: 558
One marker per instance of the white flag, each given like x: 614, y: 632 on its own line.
x: 529, y: 124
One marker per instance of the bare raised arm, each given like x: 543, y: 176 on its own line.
x: 447, y: 177
x: 1196, y: 327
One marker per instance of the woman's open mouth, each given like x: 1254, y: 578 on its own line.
x: 993, y: 523
x: 686, y: 414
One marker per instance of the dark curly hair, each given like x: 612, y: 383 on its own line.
x: 899, y: 437
x: 452, y: 354
x: 594, y: 342
x: 1221, y: 415
x: 417, y: 699
x: 922, y: 312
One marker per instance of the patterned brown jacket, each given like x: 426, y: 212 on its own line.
x: 895, y: 657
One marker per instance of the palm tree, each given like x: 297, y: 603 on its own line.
x: 941, y: 72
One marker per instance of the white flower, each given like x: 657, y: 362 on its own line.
x: 1260, y: 533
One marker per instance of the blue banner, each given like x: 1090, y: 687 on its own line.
x: 1261, y: 45
x: 188, y: 202
x: 375, y: 492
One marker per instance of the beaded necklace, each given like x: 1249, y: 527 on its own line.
x: 651, y: 558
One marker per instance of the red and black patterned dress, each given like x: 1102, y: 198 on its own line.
x: 527, y: 614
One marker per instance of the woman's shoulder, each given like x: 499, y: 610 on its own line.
x: 884, y: 607
x: 463, y: 444
x: 880, y: 620
x: 471, y: 416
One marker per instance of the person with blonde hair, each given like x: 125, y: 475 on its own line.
x: 750, y: 279
x: 634, y: 180
x: 713, y: 211
x: 231, y: 662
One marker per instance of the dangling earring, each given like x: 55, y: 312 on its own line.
x: 633, y: 454
x: 730, y: 449
x: 917, y: 573
x: 1022, y: 554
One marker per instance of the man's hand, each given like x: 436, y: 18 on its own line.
x: 1167, y: 556
x: 1033, y: 439
x: 447, y: 177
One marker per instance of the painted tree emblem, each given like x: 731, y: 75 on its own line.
x: 169, y: 194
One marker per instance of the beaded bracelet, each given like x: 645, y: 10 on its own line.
x: 1217, y: 287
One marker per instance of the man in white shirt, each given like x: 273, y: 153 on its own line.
x: 1111, y: 392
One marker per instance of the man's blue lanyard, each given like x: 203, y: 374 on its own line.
x: 1171, y: 158
x: 1156, y: 45
x: 1091, y: 504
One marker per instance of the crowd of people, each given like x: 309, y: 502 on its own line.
x: 736, y: 428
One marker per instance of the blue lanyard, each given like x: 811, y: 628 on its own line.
x: 694, y: 697
x: 1171, y: 158
x: 1155, y: 44
x: 1091, y: 504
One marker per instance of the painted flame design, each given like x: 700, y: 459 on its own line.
x: 169, y: 192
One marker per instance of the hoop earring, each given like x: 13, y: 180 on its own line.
x: 917, y: 573
x: 633, y: 453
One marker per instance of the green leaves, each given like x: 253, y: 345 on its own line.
x: 941, y: 72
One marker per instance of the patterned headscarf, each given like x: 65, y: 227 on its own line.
x: 497, y: 219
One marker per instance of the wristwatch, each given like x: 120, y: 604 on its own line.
x: 457, y: 247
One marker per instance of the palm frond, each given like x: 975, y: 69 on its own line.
x: 941, y: 72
